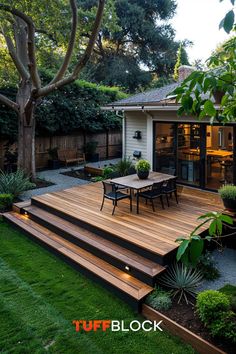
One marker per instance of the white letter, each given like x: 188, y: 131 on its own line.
x: 135, y: 329
x: 115, y: 326
x: 122, y: 327
x: 156, y: 326
x: 147, y: 329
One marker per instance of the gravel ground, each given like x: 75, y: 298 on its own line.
x: 61, y: 181
x: 226, y: 263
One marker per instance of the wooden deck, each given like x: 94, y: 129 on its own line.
x: 127, y: 252
x: 155, y: 232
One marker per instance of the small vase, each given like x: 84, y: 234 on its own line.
x: 143, y: 174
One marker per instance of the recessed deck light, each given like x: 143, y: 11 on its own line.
x: 127, y: 268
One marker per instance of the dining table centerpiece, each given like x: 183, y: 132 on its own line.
x: 142, y: 168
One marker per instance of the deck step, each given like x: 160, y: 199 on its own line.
x: 128, y: 287
x: 121, y: 257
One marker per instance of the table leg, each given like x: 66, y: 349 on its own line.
x: 137, y: 202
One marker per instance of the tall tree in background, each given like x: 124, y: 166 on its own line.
x: 21, y: 31
x: 140, y: 46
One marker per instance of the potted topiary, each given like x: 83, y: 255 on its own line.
x: 228, y: 195
x: 142, y: 168
x: 90, y: 151
x: 53, y: 162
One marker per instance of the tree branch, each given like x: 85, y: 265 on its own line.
x: 82, y: 62
x: 9, y: 103
x: 71, y: 44
x: 31, y: 42
x: 16, y: 60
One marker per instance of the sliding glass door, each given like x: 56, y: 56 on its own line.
x: 219, y: 156
x: 188, y: 153
x: 200, y: 155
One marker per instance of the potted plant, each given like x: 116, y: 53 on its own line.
x: 143, y: 167
x: 228, y: 195
x: 53, y: 162
x: 90, y: 151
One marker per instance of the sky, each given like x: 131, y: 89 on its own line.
x: 198, y: 21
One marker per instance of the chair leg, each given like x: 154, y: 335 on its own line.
x: 176, y: 197
x: 102, y: 204
x: 114, y: 208
x: 162, y: 204
x: 153, y: 208
x: 130, y: 203
x: 167, y: 199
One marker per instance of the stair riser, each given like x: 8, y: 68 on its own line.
x: 136, y: 305
x: 111, y: 237
x: 90, y: 248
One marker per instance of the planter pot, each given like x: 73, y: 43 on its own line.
x: 143, y: 174
x: 54, y: 164
x: 92, y: 157
x: 230, y: 204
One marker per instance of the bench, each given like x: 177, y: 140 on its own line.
x: 70, y: 156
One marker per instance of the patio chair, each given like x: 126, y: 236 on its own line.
x: 168, y: 188
x: 110, y: 192
x: 153, y: 193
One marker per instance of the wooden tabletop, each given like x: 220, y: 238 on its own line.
x: 132, y: 181
x: 211, y: 152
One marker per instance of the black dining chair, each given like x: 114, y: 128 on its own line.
x: 153, y: 193
x: 111, y: 192
x: 168, y: 188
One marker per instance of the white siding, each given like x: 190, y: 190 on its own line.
x: 135, y: 121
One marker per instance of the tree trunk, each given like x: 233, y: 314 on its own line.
x: 26, y: 131
x: 26, y: 146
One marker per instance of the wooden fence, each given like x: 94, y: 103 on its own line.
x: 109, y: 145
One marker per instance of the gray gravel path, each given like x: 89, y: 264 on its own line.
x: 226, y: 263
x: 61, y: 181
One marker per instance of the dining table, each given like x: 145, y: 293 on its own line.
x: 134, y: 183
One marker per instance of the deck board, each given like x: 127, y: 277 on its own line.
x: 153, y: 231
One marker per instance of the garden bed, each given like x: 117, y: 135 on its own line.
x: 81, y: 174
x: 185, y: 316
x: 42, y: 183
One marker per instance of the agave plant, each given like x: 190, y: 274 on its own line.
x: 182, y: 281
x: 14, y: 183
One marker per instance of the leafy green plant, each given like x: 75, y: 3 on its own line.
x: 143, y: 165
x: 124, y: 166
x: 159, y: 299
x: 210, y: 304
x: 91, y: 147
x: 228, y: 192
x: 213, y: 308
x: 107, y: 171
x: 207, y: 267
x: 191, y: 248
x: 230, y: 291
x: 6, y: 201
x: 14, y: 183
x: 182, y: 280
x: 53, y: 153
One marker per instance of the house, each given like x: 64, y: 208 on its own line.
x: 200, y: 154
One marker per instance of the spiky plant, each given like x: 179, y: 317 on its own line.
x: 14, y: 183
x: 183, y: 281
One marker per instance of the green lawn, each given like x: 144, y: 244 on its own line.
x: 40, y: 295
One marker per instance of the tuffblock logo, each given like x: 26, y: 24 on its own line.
x: 116, y: 326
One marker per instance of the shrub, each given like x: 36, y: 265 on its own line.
x: 213, y: 308
x: 14, y: 183
x: 228, y: 192
x: 182, y: 280
x: 207, y: 267
x: 107, y: 172
x: 159, y: 300
x: 124, y: 166
x: 210, y: 305
x: 6, y: 201
x: 143, y: 165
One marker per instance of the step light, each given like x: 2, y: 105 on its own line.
x: 127, y: 268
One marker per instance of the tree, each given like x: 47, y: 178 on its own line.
x: 178, y: 63
x: 20, y: 34
x: 140, y: 46
x: 219, y: 82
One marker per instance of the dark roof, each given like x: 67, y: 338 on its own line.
x: 152, y: 96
